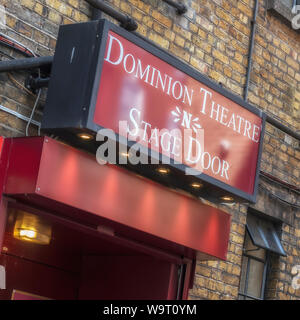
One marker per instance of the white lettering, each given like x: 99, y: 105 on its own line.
x: 136, y: 127
x: 206, y: 92
x: 214, y: 111
x: 118, y: 61
x: 224, y: 116
x: 186, y: 119
x: 125, y: 63
x: 141, y: 72
x: 198, y: 151
x: 186, y: 95
x: 174, y: 89
x: 255, y: 133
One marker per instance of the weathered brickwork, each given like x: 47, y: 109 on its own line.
x: 213, y: 37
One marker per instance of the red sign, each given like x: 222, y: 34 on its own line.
x: 161, y: 104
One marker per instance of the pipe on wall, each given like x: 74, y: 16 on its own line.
x: 180, y: 7
x: 125, y: 21
x: 251, y: 47
x: 23, y: 64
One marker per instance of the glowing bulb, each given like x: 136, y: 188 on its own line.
x: 163, y: 170
x: 227, y: 198
x: 28, y: 233
x: 197, y: 185
x: 85, y: 136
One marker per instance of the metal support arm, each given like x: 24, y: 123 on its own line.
x: 180, y: 7
x: 126, y: 22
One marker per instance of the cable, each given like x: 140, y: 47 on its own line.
x: 16, y: 82
x: 12, y: 43
x: 278, y: 198
x: 284, y: 185
x: 6, y: 54
x: 32, y: 112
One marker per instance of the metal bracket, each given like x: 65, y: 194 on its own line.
x: 33, y: 82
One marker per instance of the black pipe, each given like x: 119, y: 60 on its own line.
x: 250, y: 56
x: 180, y: 7
x: 282, y: 127
x: 125, y: 21
x: 34, y: 82
x: 96, y: 14
x: 27, y: 63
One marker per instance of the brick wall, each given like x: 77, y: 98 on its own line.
x: 213, y: 37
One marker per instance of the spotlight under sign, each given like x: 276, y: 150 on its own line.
x: 104, y: 77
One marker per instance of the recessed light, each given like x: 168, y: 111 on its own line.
x: 196, y: 185
x: 27, y: 233
x: 29, y: 227
x: 227, y: 198
x: 85, y: 136
x: 163, y: 170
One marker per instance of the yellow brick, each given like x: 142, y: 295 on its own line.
x: 217, y: 76
x: 38, y: 8
x: 198, y: 65
x: 199, y: 53
x: 179, y: 41
x: 227, y: 72
x: 180, y: 52
x: 237, y: 67
x: 11, y: 22
x: 137, y: 15
x: 79, y: 17
x: 245, y: 9
x: 284, y: 47
x: 28, y: 3
x: 280, y: 54
x: 144, y: 7
x: 159, y: 40
x: 204, y: 23
x: 134, y: 2
x: 125, y: 7
x: 253, y: 98
x: 148, y: 21
x: 74, y: 3
x: 213, y: 296
x: 162, y: 19
x: 202, y: 34
x: 67, y: 21
x: 292, y: 63
x: 223, y: 15
x: 193, y: 27
x: 261, y: 41
x: 218, y: 55
x: 182, y: 32
x: 237, y: 238
x: 231, y: 290
x: 242, y: 28
x: 142, y: 30
x: 157, y: 27
x: 170, y: 35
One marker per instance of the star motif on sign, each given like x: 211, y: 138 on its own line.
x: 188, y: 120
